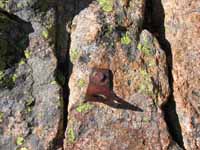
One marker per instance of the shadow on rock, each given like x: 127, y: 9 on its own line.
x: 65, y: 12
x: 154, y: 22
x: 14, y: 39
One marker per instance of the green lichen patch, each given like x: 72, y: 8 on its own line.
x: 14, y: 77
x: 29, y: 109
x: 139, y: 46
x: 71, y: 135
x: 19, y: 5
x: 22, y: 62
x: 106, y: 5
x: 146, y: 45
x: 152, y: 63
x: 144, y: 73
x: 27, y: 54
x: 23, y: 148
x: 20, y: 140
x: 45, y: 34
x: 145, y: 119
x: 29, y: 102
x: 53, y: 82
x: 84, y: 107
x: 1, y: 75
x: 48, y: 32
x: 145, y: 49
x: 23, y: 4
x: 107, y: 38
x: 146, y: 88
x: 74, y: 54
x: 81, y: 83
x: 1, y: 117
x: 126, y: 40
x: 146, y: 85
x: 60, y: 103
x: 3, y: 4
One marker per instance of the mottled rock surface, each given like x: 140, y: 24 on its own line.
x: 118, y: 35
x: 182, y: 27
x: 30, y: 102
x: 111, y: 38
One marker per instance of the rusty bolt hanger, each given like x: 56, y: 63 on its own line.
x: 100, y: 90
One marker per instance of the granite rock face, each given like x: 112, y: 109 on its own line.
x: 148, y: 95
x: 111, y: 37
x: 182, y: 28
x: 30, y: 101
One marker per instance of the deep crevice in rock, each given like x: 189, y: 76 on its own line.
x: 63, y: 71
x: 65, y: 12
x: 154, y: 22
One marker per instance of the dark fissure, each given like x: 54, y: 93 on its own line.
x: 65, y: 12
x: 154, y: 22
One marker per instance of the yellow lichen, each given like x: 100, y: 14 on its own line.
x: 71, y: 135
x: 106, y: 5
x: 146, y: 85
x: 74, y: 54
x: 1, y: 117
x: 126, y: 40
x: 23, y: 148
x: 27, y: 54
x: 20, y: 140
x: 81, y: 83
x: 45, y: 34
x: 14, y: 77
x: 84, y: 107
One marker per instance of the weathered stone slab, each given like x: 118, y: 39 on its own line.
x: 182, y: 29
x: 110, y: 37
x: 30, y: 102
